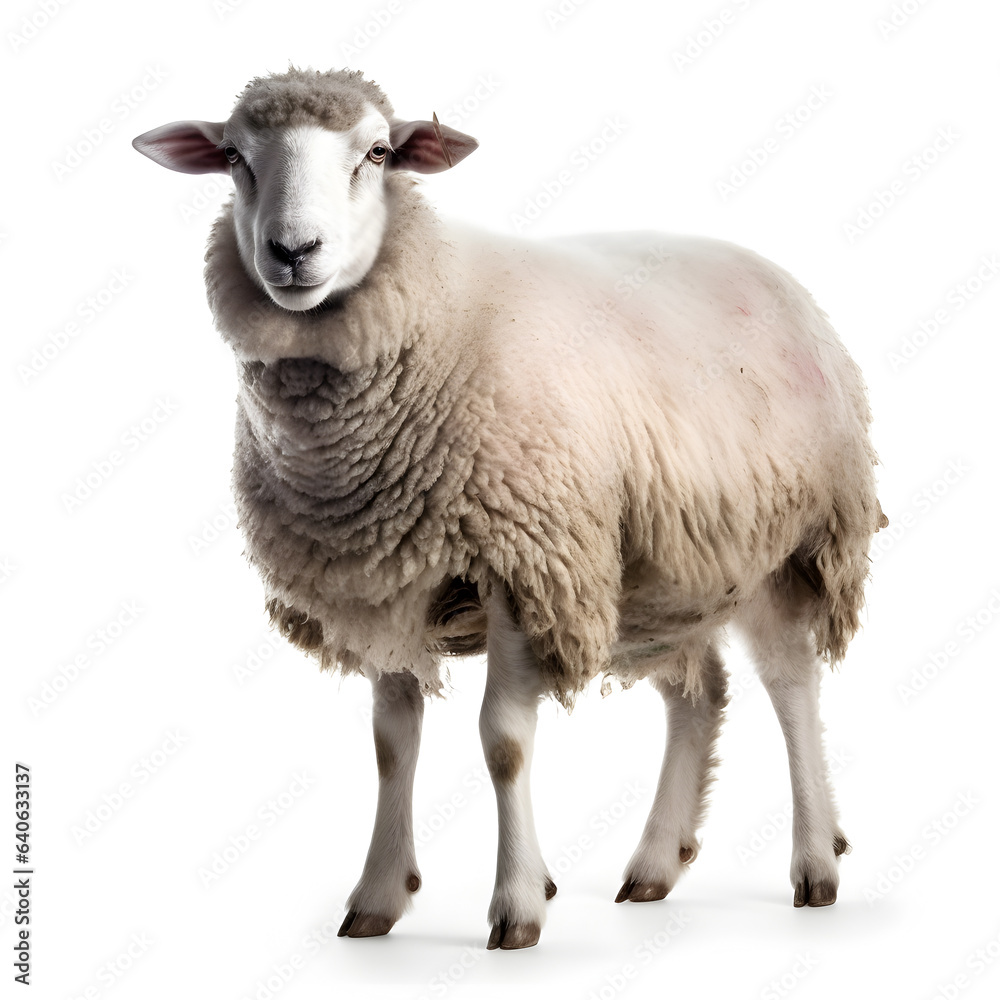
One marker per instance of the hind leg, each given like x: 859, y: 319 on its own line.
x: 776, y: 626
x: 668, y: 843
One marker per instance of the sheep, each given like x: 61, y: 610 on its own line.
x: 582, y: 456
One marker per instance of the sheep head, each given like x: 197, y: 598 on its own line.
x: 309, y: 154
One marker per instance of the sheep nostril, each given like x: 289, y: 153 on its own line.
x: 292, y: 256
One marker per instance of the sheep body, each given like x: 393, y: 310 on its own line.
x: 630, y: 458
x: 579, y: 455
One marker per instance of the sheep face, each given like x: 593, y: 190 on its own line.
x: 309, y: 207
x: 308, y: 156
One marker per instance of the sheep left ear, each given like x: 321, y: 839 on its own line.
x: 190, y: 147
x: 428, y: 147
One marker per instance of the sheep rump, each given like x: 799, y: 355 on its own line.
x: 627, y: 461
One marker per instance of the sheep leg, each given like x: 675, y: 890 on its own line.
x: 816, y: 838
x: 669, y: 843
x: 507, y: 727
x: 390, y: 875
x: 789, y: 668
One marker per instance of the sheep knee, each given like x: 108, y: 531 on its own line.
x: 504, y: 759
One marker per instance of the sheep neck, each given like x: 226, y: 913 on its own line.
x: 345, y: 413
x: 337, y: 444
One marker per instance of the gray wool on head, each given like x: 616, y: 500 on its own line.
x: 335, y: 99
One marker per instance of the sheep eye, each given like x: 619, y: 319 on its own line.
x: 232, y: 154
x: 378, y: 153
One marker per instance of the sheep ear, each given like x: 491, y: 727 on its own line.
x: 428, y: 147
x: 190, y: 147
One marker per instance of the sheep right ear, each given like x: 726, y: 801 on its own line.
x: 427, y: 147
x: 190, y: 147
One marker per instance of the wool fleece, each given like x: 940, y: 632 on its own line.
x: 628, y: 433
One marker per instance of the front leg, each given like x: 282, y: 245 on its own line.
x: 390, y: 875
x: 507, y: 726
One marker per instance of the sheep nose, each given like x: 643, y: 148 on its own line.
x: 292, y: 256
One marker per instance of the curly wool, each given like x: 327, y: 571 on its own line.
x: 461, y: 416
x: 335, y: 99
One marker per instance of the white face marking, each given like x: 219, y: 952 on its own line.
x: 309, y: 208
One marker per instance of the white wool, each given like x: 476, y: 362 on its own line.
x: 583, y: 455
x: 599, y: 455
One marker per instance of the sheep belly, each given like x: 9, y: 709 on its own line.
x: 650, y: 478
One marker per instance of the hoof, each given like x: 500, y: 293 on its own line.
x: 841, y: 845
x: 511, y: 936
x: 358, y: 925
x: 641, y: 892
x: 550, y: 888
x: 820, y: 894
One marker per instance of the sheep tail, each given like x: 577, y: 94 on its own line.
x: 837, y: 571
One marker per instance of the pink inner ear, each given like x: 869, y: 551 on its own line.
x: 193, y: 152
x: 183, y: 147
x: 418, y: 146
x: 422, y: 152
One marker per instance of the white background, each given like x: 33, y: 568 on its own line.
x: 174, y: 709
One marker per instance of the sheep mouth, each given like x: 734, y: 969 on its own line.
x: 299, y: 283
x: 292, y: 281
x: 299, y: 296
